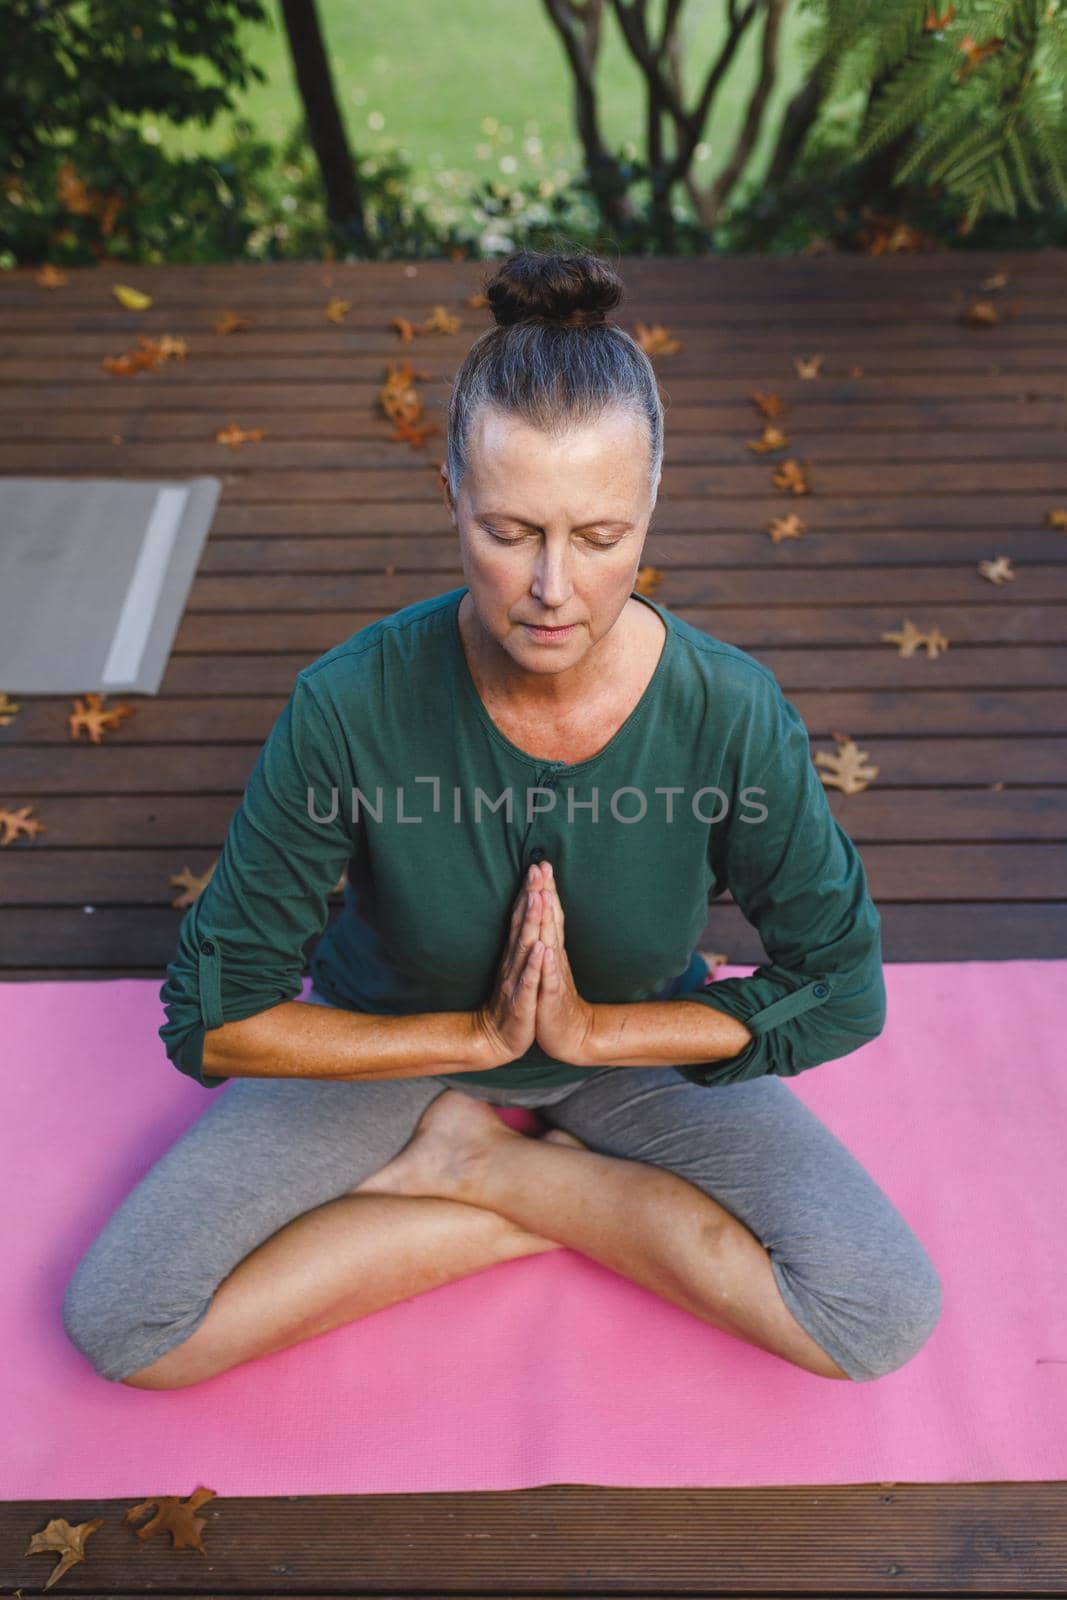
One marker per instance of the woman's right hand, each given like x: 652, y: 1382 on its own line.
x: 506, y: 1023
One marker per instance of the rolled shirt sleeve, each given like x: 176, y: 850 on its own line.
x: 241, y: 943
x: 798, y: 878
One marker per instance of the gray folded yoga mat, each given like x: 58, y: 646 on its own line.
x: 94, y: 576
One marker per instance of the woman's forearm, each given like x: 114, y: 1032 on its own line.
x: 663, y: 1033
x: 297, y: 1040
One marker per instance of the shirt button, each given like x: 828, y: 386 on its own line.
x: 537, y: 854
x: 821, y: 989
x: 207, y: 948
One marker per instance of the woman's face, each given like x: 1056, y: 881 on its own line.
x: 551, y: 531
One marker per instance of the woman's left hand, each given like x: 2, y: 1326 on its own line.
x: 564, y: 1020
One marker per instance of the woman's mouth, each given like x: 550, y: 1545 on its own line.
x: 548, y: 633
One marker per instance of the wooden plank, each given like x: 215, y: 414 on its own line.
x: 751, y: 363
x: 133, y: 821
x: 216, y: 716
x: 51, y: 771
x: 437, y: 553
x: 917, y: 424
x: 696, y: 404
x: 868, y: 1539
x: 116, y: 937
x: 914, y: 873
x: 583, y: 1540
x: 202, y: 452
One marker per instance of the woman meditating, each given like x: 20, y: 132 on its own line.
x: 534, y: 782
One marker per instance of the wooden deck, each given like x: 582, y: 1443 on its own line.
x: 947, y: 449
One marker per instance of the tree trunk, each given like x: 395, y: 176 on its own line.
x: 344, y: 200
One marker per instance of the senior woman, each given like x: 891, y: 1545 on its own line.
x: 534, y: 781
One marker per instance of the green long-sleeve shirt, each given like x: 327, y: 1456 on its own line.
x: 385, y: 761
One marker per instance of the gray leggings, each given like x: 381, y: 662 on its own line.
x: 849, y: 1268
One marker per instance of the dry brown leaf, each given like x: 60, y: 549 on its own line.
x: 933, y: 23
x: 998, y: 571
x: 235, y: 436
x: 771, y: 438
x: 94, y: 719
x: 149, y: 353
x: 68, y: 1541
x: 771, y: 405
x: 174, y: 1516
x: 847, y: 768
x: 8, y: 709
x: 50, y: 277
x: 981, y: 314
x: 337, y: 310
x: 477, y: 301
x: 789, y: 527
x: 190, y: 884
x: 855, y: 372
x: 648, y: 579
x: 792, y: 476
x: 996, y: 280
x: 1057, y: 518
x: 404, y: 328
x: 402, y: 404
x: 909, y: 638
x: 441, y: 320
x: 232, y: 322
x: 16, y: 824
x: 808, y: 367
x: 656, y: 340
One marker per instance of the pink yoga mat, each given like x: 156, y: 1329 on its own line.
x: 553, y: 1369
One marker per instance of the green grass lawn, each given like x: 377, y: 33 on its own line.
x: 474, y: 89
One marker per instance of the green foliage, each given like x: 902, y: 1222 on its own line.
x: 80, y: 82
x: 978, y: 101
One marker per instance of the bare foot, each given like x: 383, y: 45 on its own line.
x: 442, y: 1157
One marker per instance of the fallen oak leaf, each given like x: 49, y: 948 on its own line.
x: 94, y: 718
x: 790, y: 527
x: 477, y: 301
x: 16, y: 823
x: 996, y: 280
x: 847, y: 768
x: 404, y: 328
x: 1057, y: 518
x: 132, y: 299
x: 771, y: 405
x: 771, y: 438
x: 235, y: 436
x: 998, y: 571
x: 981, y: 314
x: 792, y: 476
x: 909, y: 638
x: 337, y: 310
x: 656, y: 340
x: 231, y: 322
x: 191, y: 885
x: 441, y: 320
x: 50, y: 277
x: 174, y: 1516
x: 648, y: 579
x: 8, y: 709
x: 68, y: 1541
x: 808, y: 367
